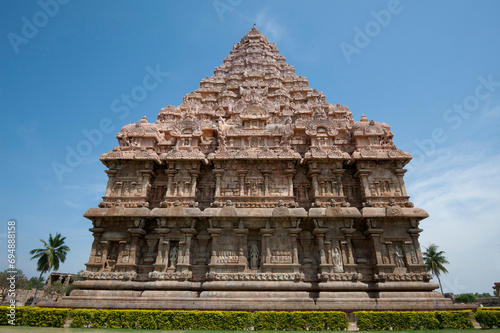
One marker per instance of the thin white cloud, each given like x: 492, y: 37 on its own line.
x: 459, y: 187
x: 491, y: 110
x: 71, y: 204
x: 273, y: 30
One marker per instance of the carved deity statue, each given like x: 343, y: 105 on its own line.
x: 254, y: 257
x: 398, y: 256
x: 174, y: 253
x: 337, y: 260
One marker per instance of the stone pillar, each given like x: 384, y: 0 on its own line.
x: 266, y: 182
x: 194, y: 176
x: 93, y: 261
x: 320, y: 234
x: 363, y: 176
x: 347, y: 251
x: 163, y: 249
x: 186, y: 253
x: 400, y: 173
x: 136, y: 234
x: 146, y: 181
x: 294, y: 234
x: 241, y: 175
x: 338, y: 174
x: 415, y: 233
x: 373, y: 234
x: 242, y: 247
x: 215, y: 234
x: 389, y: 252
x: 266, y: 244
x: 218, y: 182
x: 289, y: 175
x: 170, y: 174
x: 315, y: 184
x: 121, y: 247
x: 328, y: 246
x: 111, y: 176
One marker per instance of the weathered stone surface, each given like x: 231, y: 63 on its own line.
x: 256, y: 193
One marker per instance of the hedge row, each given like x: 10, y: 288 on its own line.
x: 409, y: 320
x: 239, y: 320
x: 488, y: 317
x: 177, y: 320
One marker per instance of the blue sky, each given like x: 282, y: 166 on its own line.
x: 429, y: 69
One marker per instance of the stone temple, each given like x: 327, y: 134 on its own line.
x: 256, y: 194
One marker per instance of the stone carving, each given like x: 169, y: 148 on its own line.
x: 256, y: 277
x: 172, y: 259
x: 254, y: 177
x: 254, y: 256
x: 398, y: 256
x: 337, y: 260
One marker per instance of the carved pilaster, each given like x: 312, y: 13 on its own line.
x: 136, y: 234
x: 242, y: 246
x: 170, y: 174
x: 194, y: 177
x: 218, y: 181
x: 215, y: 234
x: 266, y: 244
x: 320, y: 235
x: 363, y: 177
x: 183, y: 262
x: 373, y: 233
x: 294, y: 234
x: 347, y: 251
x: 111, y: 182
x: 400, y: 173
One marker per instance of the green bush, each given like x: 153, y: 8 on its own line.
x: 34, y: 316
x: 300, y: 320
x: 409, y: 320
x: 455, y: 319
x: 177, y: 320
x: 488, y: 317
x: 465, y: 298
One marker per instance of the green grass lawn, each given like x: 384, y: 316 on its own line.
x: 30, y: 329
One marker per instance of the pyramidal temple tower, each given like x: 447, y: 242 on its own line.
x: 256, y: 194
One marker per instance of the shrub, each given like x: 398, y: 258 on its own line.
x: 300, y: 320
x: 488, y: 317
x: 465, y: 298
x: 177, y: 320
x: 405, y: 320
x: 455, y: 319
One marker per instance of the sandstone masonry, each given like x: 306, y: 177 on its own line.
x: 256, y: 194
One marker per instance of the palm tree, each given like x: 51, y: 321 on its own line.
x: 49, y: 257
x: 435, y: 261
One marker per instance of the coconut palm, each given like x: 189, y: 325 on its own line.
x: 50, y: 256
x: 435, y: 261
